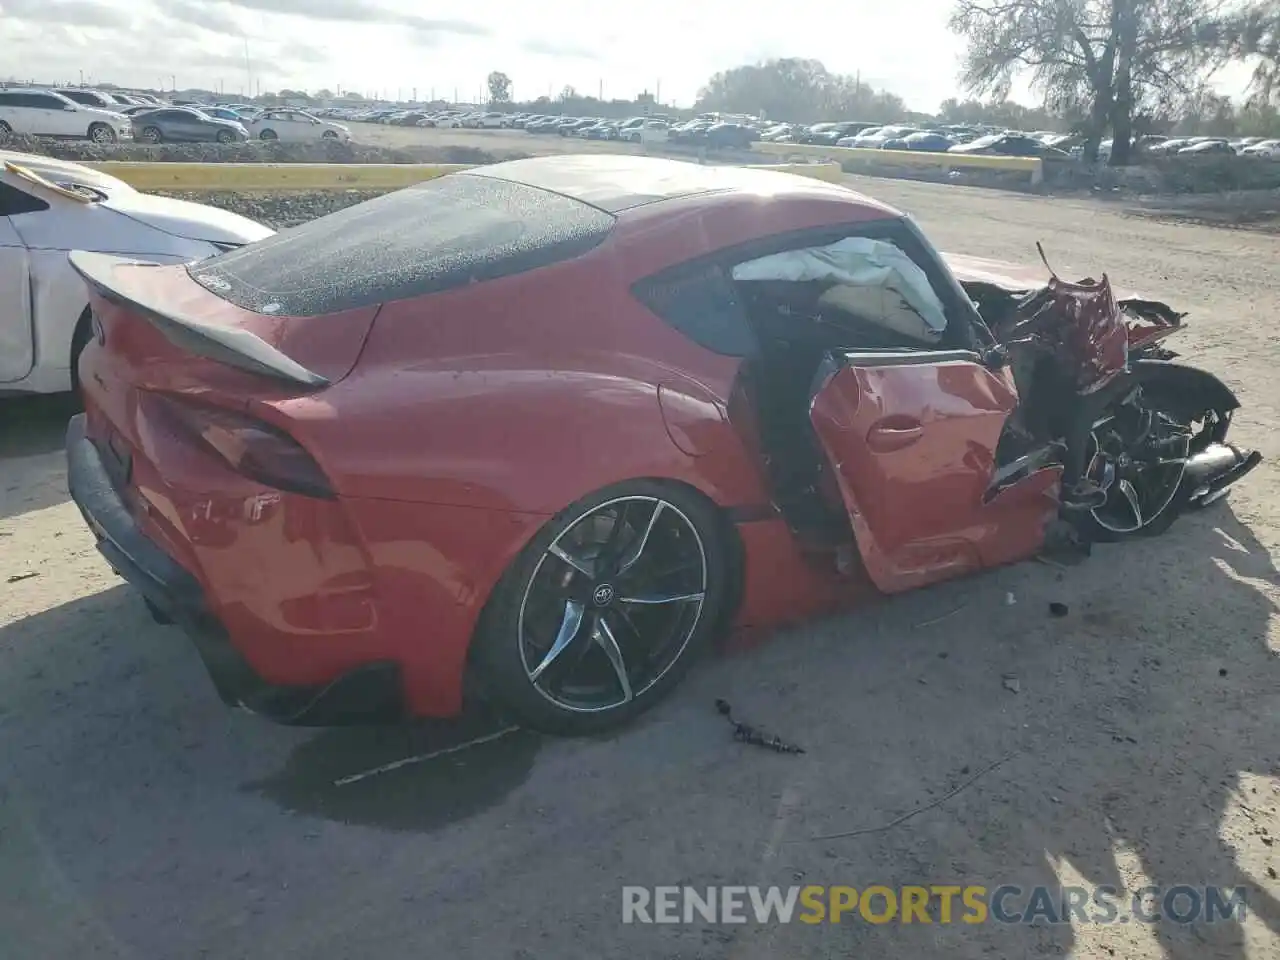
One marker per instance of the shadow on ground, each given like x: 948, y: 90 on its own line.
x: 135, y: 800
x: 421, y: 794
x: 34, y: 425
x: 1138, y: 721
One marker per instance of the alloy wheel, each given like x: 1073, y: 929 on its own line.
x: 1141, y: 476
x: 612, y: 604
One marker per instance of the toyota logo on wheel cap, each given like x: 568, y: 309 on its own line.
x: 602, y: 596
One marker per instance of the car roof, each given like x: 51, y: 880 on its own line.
x: 617, y: 183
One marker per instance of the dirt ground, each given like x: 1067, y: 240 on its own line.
x: 139, y: 818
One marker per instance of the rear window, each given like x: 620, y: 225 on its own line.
x: 444, y: 233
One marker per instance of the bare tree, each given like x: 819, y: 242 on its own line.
x: 1104, y: 58
x: 1253, y: 31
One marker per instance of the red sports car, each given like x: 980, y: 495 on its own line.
x: 548, y: 426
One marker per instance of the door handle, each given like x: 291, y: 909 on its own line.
x: 887, y: 437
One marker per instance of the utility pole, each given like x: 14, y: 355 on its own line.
x: 601, y: 96
x: 248, y: 68
x: 657, y: 95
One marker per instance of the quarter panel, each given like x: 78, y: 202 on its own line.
x: 523, y: 393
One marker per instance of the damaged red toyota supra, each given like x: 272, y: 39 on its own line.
x: 543, y: 430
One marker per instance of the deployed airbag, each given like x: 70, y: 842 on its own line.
x: 872, y: 279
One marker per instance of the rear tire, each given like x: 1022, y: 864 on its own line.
x: 587, y: 629
x: 101, y: 133
x: 79, y: 340
x: 268, y: 135
x: 225, y: 136
x: 152, y: 135
x: 329, y: 135
x: 6, y: 132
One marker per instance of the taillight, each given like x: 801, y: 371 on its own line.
x: 251, y: 447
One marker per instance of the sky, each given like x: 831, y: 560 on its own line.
x: 392, y: 48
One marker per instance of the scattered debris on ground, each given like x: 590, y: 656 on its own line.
x: 748, y: 734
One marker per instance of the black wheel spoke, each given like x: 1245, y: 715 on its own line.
x: 652, y: 599
x: 586, y: 567
x: 607, y: 642
x: 634, y: 552
x: 612, y: 546
x: 570, y: 629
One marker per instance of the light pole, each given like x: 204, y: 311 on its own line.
x: 248, y: 67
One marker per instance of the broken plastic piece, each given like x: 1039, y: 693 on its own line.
x: 748, y: 734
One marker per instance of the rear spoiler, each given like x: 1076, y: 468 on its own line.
x: 229, y: 345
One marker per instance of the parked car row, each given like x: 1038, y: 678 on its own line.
x: 52, y: 113
x: 718, y: 130
x: 81, y: 113
x: 204, y: 124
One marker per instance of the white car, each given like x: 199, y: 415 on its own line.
x: 49, y: 207
x: 650, y: 131
x: 1269, y: 149
x: 43, y: 113
x: 294, y: 126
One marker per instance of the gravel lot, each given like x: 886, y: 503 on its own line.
x: 139, y: 818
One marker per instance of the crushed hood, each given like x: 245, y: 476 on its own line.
x: 1011, y: 277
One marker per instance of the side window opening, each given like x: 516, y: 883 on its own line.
x: 870, y: 287
x: 14, y: 202
x: 702, y: 302
x: 857, y: 292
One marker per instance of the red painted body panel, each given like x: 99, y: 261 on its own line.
x: 459, y: 422
x: 1092, y: 336
x: 914, y: 452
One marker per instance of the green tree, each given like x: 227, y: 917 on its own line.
x: 499, y: 87
x: 796, y: 90
x: 1002, y: 113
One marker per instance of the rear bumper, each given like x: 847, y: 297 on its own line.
x: 372, y: 692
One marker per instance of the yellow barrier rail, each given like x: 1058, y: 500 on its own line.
x: 857, y: 156
x: 273, y: 177
x: 288, y: 177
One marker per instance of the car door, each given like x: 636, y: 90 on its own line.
x: 911, y: 436
x: 905, y: 409
x: 56, y: 116
x: 17, y: 330
x: 293, y: 127
x: 185, y: 125
x: 11, y: 112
